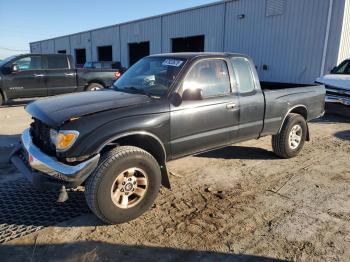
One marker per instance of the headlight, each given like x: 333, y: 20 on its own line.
x: 63, y: 139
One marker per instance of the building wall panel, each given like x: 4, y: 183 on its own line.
x: 81, y: 40
x: 35, y: 47
x: 288, y: 36
x: 103, y: 37
x: 333, y: 43
x: 62, y: 43
x: 344, y: 51
x: 48, y: 46
x: 207, y: 21
x: 289, y: 44
x: 140, y: 31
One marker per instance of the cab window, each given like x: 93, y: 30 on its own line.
x: 209, y: 75
x: 57, y: 62
x: 29, y: 63
x: 243, y: 75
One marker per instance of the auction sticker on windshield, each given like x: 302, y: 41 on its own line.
x: 172, y: 62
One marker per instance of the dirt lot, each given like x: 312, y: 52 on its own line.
x: 236, y: 203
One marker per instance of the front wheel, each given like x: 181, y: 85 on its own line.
x: 289, y: 142
x: 124, y: 185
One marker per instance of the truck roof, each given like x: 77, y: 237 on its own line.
x: 43, y: 54
x: 188, y: 55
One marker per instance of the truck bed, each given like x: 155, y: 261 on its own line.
x: 307, y: 98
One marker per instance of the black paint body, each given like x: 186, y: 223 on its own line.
x: 106, y: 116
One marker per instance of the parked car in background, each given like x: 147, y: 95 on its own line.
x: 337, y: 84
x: 36, y: 75
x: 117, y: 142
x: 104, y: 65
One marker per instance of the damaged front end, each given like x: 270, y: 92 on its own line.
x: 45, y: 171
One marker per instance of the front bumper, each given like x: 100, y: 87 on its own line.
x: 47, y: 172
x: 338, y: 99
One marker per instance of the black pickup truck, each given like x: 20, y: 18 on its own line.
x: 35, y: 75
x: 117, y: 142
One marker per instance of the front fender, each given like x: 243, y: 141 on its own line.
x: 96, y: 131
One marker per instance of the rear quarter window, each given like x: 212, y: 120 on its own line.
x: 243, y: 74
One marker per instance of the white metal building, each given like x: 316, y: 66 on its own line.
x: 291, y: 41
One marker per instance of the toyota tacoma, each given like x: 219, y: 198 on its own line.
x: 117, y: 142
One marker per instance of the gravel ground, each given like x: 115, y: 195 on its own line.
x: 236, y: 203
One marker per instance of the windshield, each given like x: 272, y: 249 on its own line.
x: 343, y: 68
x: 151, y: 76
x: 3, y: 62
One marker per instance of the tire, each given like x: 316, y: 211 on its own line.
x: 94, y: 87
x: 104, y: 183
x: 1, y: 99
x: 285, y: 143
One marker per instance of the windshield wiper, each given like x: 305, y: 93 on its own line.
x: 134, y: 90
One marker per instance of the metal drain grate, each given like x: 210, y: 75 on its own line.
x: 24, y: 210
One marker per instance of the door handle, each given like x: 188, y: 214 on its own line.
x: 38, y: 75
x: 69, y: 74
x: 231, y: 106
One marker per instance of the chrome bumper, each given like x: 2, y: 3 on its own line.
x: 39, y: 161
x: 338, y: 99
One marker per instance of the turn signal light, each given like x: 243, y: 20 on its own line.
x: 63, y: 139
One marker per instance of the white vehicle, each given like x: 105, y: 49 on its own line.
x: 337, y: 84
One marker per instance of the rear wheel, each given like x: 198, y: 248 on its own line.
x: 124, y: 185
x: 289, y: 142
x: 94, y: 87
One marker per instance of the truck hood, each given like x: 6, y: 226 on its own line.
x: 56, y: 110
x: 335, y: 80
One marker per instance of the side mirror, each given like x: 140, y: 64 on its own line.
x: 192, y: 94
x: 14, y: 68
x: 175, y: 99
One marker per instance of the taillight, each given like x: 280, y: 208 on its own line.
x: 117, y: 74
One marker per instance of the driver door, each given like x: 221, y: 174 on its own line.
x: 210, y: 122
x: 28, y: 80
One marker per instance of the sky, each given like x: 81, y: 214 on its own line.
x: 22, y: 22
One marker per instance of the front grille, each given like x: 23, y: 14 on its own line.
x: 40, y: 133
x: 335, y: 91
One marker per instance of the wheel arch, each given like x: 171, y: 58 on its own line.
x: 298, y: 109
x: 146, y: 141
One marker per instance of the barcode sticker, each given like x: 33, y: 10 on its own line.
x: 172, y: 62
